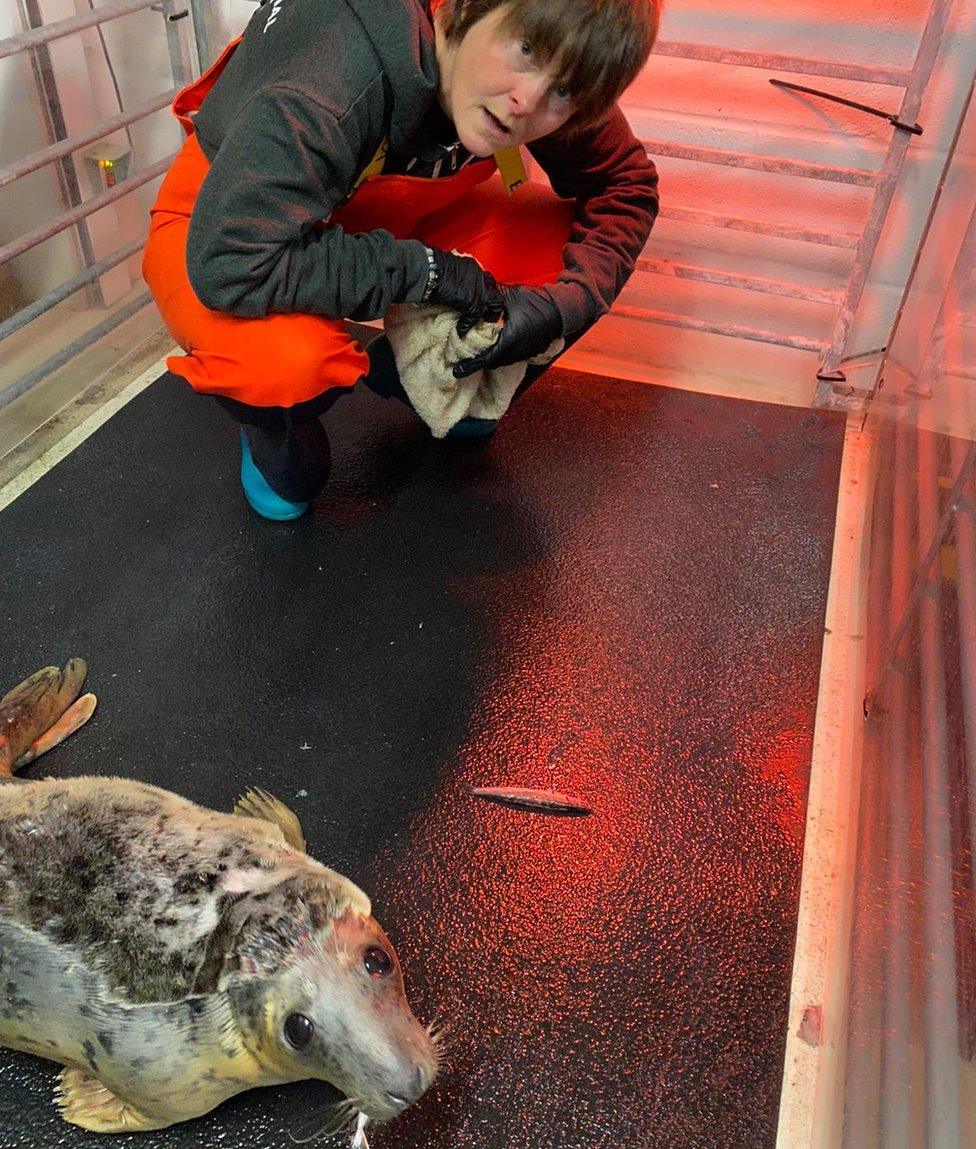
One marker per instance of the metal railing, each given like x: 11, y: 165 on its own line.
x: 912, y: 1035
x: 832, y: 389
x: 35, y: 40
x: 833, y: 352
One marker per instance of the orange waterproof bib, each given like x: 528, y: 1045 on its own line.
x: 282, y: 360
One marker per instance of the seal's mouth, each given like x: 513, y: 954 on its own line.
x: 378, y: 1108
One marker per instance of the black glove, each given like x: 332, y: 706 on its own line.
x: 531, y: 324
x: 462, y: 284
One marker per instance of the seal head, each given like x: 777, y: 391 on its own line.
x: 336, y: 1011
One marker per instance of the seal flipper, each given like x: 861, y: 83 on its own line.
x: 30, y: 711
x: 85, y: 1101
x: 260, y: 804
x: 73, y: 719
x: 155, y: 1063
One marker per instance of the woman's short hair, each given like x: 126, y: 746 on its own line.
x: 601, y: 44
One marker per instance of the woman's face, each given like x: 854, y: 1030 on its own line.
x: 495, y: 90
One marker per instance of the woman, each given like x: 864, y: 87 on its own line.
x: 340, y: 154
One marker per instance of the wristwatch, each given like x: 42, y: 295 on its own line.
x: 431, y: 276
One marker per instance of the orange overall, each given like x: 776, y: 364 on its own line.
x: 289, y: 359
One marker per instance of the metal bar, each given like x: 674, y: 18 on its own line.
x: 896, y: 1007
x: 14, y: 390
x: 864, y: 1004
x: 863, y: 1068
x: 759, y: 227
x: 892, y: 119
x: 886, y: 184
x: 43, y: 69
x: 966, y: 609
x: 941, y: 1020
x: 960, y: 371
x: 862, y: 1060
x: 778, y: 165
x: 894, y: 77
x: 60, y: 28
x: 962, y: 269
x: 962, y: 483
x: 206, y: 53
x: 746, y: 282
x: 177, y: 43
x: 65, y: 147
x: 933, y: 362
x: 667, y: 319
x: 89, y: 207
x: 27, y: 314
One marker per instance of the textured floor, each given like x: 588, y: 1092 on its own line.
x: 621, y: 597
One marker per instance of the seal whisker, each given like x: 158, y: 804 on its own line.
x: 342, y: 1114
x: 441, y: 1034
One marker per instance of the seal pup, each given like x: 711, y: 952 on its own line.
x: 170, y: 956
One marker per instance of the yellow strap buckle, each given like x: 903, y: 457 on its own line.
x: 511, y: 167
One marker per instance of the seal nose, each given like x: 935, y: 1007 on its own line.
x: 414, y: 1091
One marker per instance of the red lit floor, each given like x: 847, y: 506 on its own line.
x: 621, y: 596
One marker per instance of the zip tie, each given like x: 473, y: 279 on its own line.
x: 915, y: 129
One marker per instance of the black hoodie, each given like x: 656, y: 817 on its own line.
x: 297, y: 114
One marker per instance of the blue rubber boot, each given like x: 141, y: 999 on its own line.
x: 471, y: 428
x: 262, y: 498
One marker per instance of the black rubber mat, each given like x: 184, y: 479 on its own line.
x: 621, y: 597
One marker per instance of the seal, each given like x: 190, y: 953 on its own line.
x: 171, y: 956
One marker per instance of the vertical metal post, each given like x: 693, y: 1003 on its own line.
x: 829, y: 372
x: 863, y: 1065
x: 203, y: 32
x: 933, y: 364
x: 865, y: 995
x: 923, y: 377
x: 941, y: 1022
x: 40, y: 58
x: 896, y: 1013
x: 176, y: 41
x: 960, y: 451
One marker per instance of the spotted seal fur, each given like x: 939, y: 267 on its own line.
x: 170, y: 956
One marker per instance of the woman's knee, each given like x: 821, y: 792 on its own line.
x: 518, y: 237
x: 284, y: 360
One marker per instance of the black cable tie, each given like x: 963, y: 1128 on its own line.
x: 865, y: 357
x: 915, y: 129
x: 178, y: 16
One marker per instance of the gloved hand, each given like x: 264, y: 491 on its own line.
x: 463, y: 285
x: 531, y: 324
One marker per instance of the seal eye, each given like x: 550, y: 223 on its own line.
x: 377, y: 961
x: 298, y: 1030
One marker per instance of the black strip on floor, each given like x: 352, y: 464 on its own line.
x: 621, y: 597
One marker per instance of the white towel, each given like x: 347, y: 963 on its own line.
x: 426, y: 346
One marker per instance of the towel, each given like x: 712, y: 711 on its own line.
x: 426, y: 346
